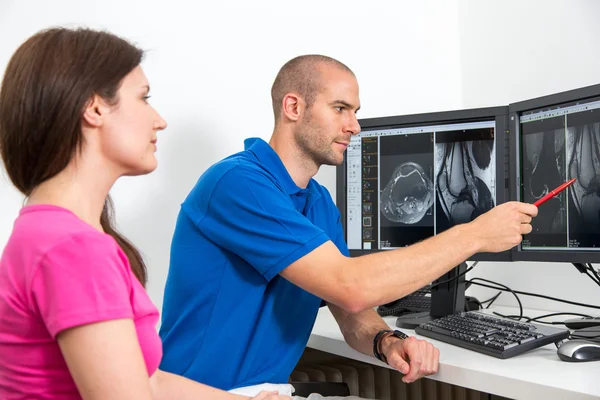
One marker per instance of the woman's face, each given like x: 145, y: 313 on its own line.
x: 128, y: 138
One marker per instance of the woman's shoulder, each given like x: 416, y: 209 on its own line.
x: 44, y: 222
x: 54, y: 241
x: 41, y: 228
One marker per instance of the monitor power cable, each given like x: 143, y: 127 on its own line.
x: 456, y: 277
x: 520, y: 317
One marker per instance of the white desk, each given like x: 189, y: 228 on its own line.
x: 536, y: 374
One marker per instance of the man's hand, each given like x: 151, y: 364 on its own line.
x: 413, y: 357
x: 503, y: 226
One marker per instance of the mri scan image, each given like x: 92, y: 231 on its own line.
x: 556, y: 150
x: 465, y: 177
x: 406, y: 189
x: 408, y: 195
x: 583, y: 163
x: 543, y: 165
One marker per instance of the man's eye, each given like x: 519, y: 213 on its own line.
x: 145, y: 98
x: 339, y: 109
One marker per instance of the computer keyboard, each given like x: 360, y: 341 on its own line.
x: 418, y: 301
x: 415, y: 304
x: 494, y: 336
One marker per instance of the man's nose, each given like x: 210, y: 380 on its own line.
x: 353, y: 126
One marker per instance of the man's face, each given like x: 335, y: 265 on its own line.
x: 325, y: 128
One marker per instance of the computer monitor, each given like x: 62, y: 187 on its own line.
x: 407, y: 178
x: 557, y: 138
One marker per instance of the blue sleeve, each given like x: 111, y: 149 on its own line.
x: 248, y: 215
x: 339, y: 240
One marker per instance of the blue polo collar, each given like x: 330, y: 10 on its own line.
x: 271, y: 161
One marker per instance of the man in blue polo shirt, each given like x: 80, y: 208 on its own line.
x: 259, y: 246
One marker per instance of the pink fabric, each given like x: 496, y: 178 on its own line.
x: 57, y: 272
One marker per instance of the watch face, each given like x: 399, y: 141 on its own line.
x: 400, y: 335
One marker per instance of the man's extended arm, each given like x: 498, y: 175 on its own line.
x: 356, y: 284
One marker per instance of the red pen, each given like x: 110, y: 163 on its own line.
x: 553, y: 193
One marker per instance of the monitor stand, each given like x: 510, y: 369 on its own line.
x: 446, y: 298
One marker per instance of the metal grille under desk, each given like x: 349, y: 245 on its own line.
x: 374, y: 382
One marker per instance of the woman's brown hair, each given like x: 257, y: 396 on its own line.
x: 47, y: 84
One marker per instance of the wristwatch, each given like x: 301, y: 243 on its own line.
x: 379, y: 339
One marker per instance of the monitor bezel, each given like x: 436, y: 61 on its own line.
x: 499, y: 114
x: 515, y: 111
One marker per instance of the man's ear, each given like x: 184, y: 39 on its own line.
x: 292, y: 107
x: 95, y: 111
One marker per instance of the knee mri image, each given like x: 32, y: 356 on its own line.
x: 465, y: 177
x: 406, y: 189
x: 583, y: 163
x: 408, y: 195
x: 554, y: 151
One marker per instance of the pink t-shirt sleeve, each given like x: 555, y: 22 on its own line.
x: 80, y: 281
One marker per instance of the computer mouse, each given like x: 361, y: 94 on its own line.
x: 578, y: 350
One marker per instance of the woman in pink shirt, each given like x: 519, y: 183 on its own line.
x: 76, y: 321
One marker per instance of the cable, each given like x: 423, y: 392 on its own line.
x: 587, y: 268
x: 591, y: 268
x: 537, y: 295
x: 597, y: 282
x: 452, y: 279
x: 491, y: 300
x: 456, y: 277
x: 589, y: 271
x: 516, y: 317
x: 505, y: 288
x: 537, y: 319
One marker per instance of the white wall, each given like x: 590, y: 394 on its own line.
x: 513, y: 50
x: 211, y: 64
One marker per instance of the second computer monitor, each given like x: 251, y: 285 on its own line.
x: 407, y: 178
x: 557, y: 138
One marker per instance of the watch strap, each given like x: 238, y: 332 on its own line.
x: 381, y: 335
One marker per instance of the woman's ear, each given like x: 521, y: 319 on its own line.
x: 95, y: 111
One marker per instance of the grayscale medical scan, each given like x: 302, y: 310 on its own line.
x: 465, y: 175
x: 557, y: 148
x: 406, y: 188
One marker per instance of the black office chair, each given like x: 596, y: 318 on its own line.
x: 304, y: 389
